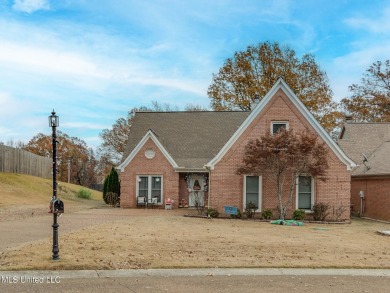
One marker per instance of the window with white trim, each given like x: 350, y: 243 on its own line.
x: 150, y: 186
x: 305, y: 193
x: 252, y: 190
x: 278, y: 125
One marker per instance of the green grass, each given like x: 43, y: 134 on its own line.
x: 84, y: 193
x: 20, y: 189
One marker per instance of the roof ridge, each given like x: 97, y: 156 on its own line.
x: 203, y: 111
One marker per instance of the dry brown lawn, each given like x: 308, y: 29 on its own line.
x: 166, y: 239
x: 112, y: 238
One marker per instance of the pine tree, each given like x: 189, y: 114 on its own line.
x: 112, y: 186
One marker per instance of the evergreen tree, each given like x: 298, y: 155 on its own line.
x: 111, y: 185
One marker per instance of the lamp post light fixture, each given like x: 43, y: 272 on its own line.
x: 54, y: 123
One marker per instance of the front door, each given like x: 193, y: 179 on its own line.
x: 197, y: 191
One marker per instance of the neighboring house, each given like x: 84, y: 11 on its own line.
x: 171, y: 154
x: 368, y: 144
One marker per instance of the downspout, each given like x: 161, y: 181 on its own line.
x: 209, y: 193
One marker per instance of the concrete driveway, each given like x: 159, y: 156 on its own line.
x: 31, y: 227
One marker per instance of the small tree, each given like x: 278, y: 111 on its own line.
x: 111, y: 185
x: 285, y: 156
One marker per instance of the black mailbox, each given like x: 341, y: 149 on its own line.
x: 56, y: 206
x: 59, y: 206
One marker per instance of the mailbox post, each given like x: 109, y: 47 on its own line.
x: 54, y: 123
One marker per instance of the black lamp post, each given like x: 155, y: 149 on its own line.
x: 54, y: 123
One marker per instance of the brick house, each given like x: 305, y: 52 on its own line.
x: 368, y: 144
x: 190, y: 155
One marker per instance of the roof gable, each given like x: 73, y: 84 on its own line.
x: 152, y: 136
x: 281, y: 85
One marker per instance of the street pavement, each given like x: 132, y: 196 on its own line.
x: 198, y: 280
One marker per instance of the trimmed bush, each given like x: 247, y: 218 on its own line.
x: 238, y: 216
x: 320, y: 211
x: 299, y: 215
x: 112, y: 199
x: 250, y: 210
x: 84, y: 193
x: 267, y: 214
x: 212, y: 213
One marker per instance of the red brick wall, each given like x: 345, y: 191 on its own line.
x: 140, y: 165
x: 377, y: 197
x: 227, y: 186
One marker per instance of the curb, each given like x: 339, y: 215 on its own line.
x: 77, y: 274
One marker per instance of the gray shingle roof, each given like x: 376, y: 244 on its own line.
x: 371, y: 139
x: 191, y: 138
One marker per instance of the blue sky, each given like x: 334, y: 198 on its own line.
x: 93, y: 60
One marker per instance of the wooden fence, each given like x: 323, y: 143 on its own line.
x: 19, y: 161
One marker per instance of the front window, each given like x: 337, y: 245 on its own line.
x: 156, y: 188
x: 276, y: 126
x: 150, y: 186
x: 305, y: 193
x: 252, y: 192
x: 143, y: 186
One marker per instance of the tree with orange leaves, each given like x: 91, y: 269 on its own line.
x: 370, y: 101
x: 253, y: 72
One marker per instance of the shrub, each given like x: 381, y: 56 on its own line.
x: 111, y: 184
x: 113, y: 199
x: 338, y: 212
x: 84, y: 193
x: 238, y: 216
x: 267, y: 214
x: 199, y: 202
x: 299, y: 215
x: 320, y: 211
x: 250, y: 209
x: 212, y: 213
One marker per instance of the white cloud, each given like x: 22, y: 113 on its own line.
x: 31, y: 6
x: 379, y: 24
x: 48, y: 60
x: 84, y: 125
x: 346, y: 70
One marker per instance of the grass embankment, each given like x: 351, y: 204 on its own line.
x: 24, y: 190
